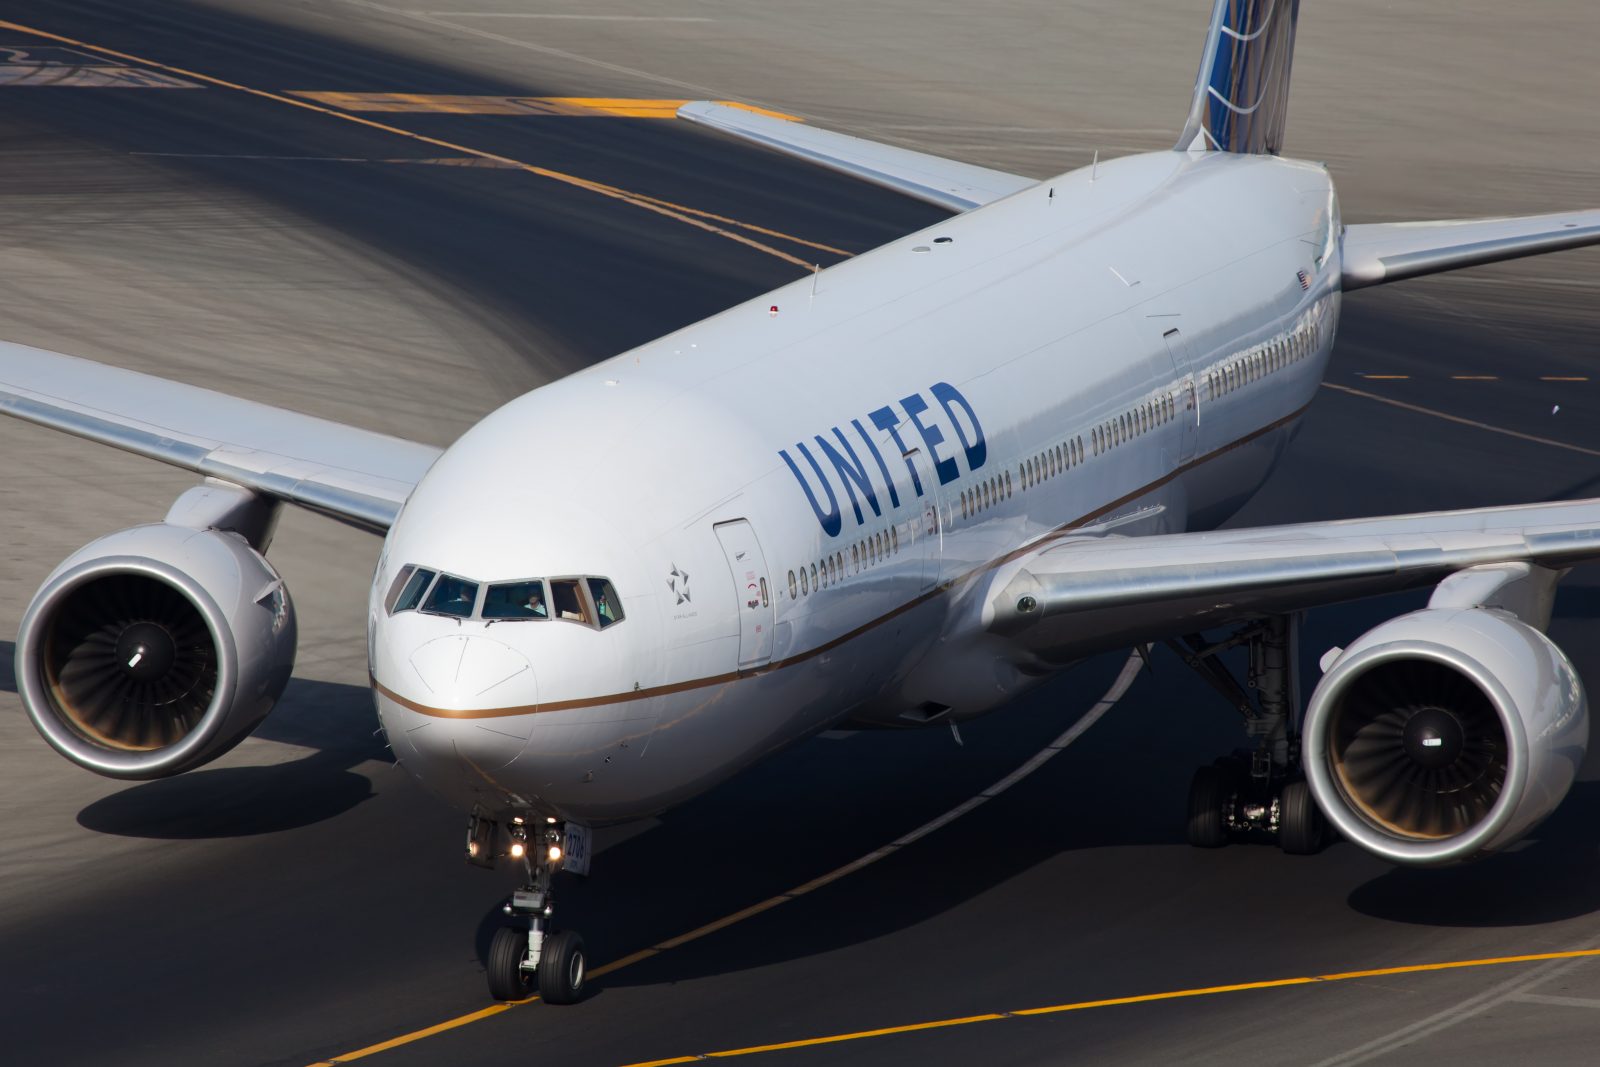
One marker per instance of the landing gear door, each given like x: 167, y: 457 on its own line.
x: 753, y: 587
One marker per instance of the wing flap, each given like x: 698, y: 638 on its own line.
x: 354, y: 475
x: 1078, y: 595
x: 1388, y: 252
x: 945, y: 182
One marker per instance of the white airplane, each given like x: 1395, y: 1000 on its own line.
x: 896, y: 494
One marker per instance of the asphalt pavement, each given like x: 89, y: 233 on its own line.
x: 302, y: 898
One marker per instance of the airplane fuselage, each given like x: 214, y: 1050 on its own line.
x: 834, y: 473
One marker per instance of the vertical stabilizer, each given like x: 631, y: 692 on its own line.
x: 1242, y: 93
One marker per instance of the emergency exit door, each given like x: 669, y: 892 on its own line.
x: 748, y: 568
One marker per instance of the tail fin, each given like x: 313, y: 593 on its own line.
x: 1242, y: 93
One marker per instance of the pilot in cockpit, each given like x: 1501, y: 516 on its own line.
x: 535, y: 604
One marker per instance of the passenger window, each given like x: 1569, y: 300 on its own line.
x: 794, y: 588
x: 608, y: 606
x: 805, y: 585
x: 567, y: 601
x: 894, y: 538
x: 814, y: 583
x: 855, y: 560
x: 452, y: 596
x: 516, y: 600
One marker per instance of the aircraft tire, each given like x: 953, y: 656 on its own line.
x: 1301, y: 827
x: 562, y: 968
x: 1208, y: 791
x: 507, y: 980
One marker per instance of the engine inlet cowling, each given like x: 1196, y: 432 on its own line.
x: 154, y: 650
x: 1445, y: 734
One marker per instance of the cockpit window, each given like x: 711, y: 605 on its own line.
x: 607, y: 605
x: 396, y: 587
x: 590, y: 601
x: 516, y: 600
x: 568, y: 600
x: 452, y: 596
x: 410, y: 593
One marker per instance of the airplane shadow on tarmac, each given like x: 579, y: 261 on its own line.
x: 1551, y: 876
x: 236, y: 801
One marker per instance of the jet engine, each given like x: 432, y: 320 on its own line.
x: 154, y: 650
x: 1444, y: 734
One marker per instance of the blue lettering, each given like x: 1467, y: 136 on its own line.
x: 885, y: 419
x: 883, y: 468
x: 831, y: 520
x: 977, y: 449
x: 853, y: 471
x: 932, y: 436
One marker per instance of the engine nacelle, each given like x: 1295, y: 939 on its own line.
x: 1445, y: 734
x: 154, y: 650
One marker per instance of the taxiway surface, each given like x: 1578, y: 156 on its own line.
x: 301, y: 899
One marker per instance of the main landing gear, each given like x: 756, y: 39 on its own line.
x: 531, y: 955
x: 1260, y: 792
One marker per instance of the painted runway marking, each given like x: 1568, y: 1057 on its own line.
x: 1474, y: 378
x: 1125, y: 679
x: 1113, y: 1002
x: 701, y: 220
x: 1474, y: 423
x: 524, y: 106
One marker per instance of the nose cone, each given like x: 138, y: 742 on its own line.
x: 479, y: 691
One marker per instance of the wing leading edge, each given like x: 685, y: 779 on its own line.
x: 353, y: 475
x: 1130, y: 590
x: 945, y: 182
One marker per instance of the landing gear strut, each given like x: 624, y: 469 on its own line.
x: 531, y: 955
x: 1258, y: 792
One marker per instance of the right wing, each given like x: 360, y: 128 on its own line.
x: 1391, y: 251
x: 945, y: 182
x: 1129, y: 590
x: 356, y: 476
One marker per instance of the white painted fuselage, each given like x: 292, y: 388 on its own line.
x: 802, y: 502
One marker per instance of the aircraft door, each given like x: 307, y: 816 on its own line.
x: 753, y: 587
x: 1188, y: 397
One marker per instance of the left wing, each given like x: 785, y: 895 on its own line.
x: 1391, y: 251
x: 1127, y: 590
x: 353, y: 475
x: 945, y: 182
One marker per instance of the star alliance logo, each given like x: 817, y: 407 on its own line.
x: 678, y: 582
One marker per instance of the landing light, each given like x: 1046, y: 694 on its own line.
x: 555, y: 853
x: 518, y: 849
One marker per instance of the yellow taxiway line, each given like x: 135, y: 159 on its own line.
x: 1115, y: 1002
x: 701, y: 220
x: 1124, y: 679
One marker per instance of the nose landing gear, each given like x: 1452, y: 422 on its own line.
x: 531, y: 955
